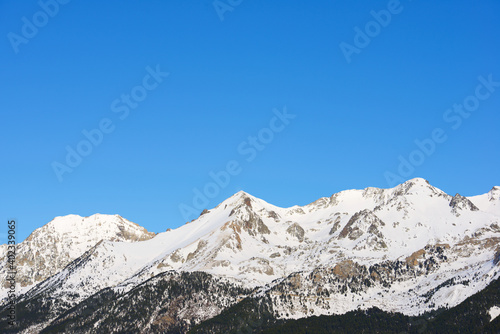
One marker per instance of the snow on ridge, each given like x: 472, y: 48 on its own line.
x: 75, y: 224
x: 489, y: 202
x: 414, y: 186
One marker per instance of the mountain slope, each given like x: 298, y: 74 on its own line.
x: 470, y: 316
x: 170, y: 302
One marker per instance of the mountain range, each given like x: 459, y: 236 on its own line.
x: 412, y: 251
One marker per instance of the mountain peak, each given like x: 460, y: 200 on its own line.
x: 494, y: 194
x: 241, y: 197
x: 418, y: 181
x: 415, y: 186
x: 242, y: 192
x: 67, y: 237
x: 75, y: 224
x: 459, y: 202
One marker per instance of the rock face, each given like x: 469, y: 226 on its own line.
x: 248, y: 219
x: 405, y: 249
x: 365, y: 223
x: 412, y: 260
x: 496, y: 259
x: 336, y: 224
x: 458, y: 203
x: 296, y: 231
x: 348, y: 269
x: 362, y: 222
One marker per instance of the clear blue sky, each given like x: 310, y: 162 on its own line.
x: 353, y: 120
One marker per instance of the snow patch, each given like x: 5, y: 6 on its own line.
x: 494, y: 312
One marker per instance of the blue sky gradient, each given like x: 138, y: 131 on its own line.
x: 356, y: 117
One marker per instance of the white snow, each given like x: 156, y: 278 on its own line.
x: 494, y: 312
x: 488, y: 202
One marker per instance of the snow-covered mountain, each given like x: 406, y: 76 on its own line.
x: 53, y: 246
x: 411, y: 249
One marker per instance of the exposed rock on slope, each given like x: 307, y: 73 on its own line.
x: 458, y: 203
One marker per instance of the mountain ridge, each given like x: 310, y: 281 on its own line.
x: 411, y: 248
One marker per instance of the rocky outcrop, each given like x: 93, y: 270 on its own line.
x: 412, y: 260
x: 360, y: 223
x: 459, y: 202
x: 496, y: 258
x: 274, y: 215
x: 348, y: 269
x: 296, y: 231
x: 244, y: 215
x: 365, y: 222
x: 336, y: 224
